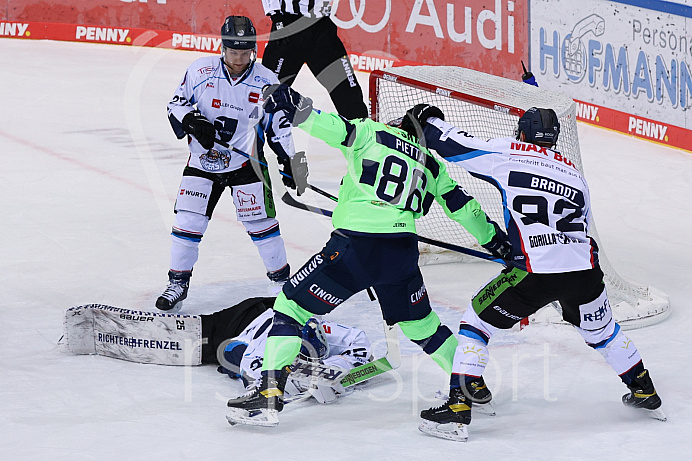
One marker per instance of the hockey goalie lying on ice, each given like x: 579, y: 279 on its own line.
x: 232, y: 338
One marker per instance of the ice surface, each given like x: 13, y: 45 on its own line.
x: 90, y: 168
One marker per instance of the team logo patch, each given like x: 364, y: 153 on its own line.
x: 214, y: 160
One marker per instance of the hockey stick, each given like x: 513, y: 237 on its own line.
x: 390, y: 361
x: 308, y: 372
x: 248, y: 156
x: 288, y: 199
x: 307, y: 185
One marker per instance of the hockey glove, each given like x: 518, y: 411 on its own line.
x: 297, y: 169
x: 197, y: 125
x: 417, y: 117
x: 282, y: 97
x: 499, y: 245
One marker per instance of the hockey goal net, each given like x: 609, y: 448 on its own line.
x: 488, y: 106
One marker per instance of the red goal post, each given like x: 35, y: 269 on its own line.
x: 489, y: 106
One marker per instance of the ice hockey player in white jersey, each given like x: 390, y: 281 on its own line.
x: 324, y: 341
x: 220, y: 99
x: 547, y: 214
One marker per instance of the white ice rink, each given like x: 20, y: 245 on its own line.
x: 89, y: 173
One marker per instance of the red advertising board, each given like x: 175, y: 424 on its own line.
x: 486, y: 35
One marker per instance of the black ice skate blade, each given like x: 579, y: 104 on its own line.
x: 450, y: 431
x: 263, y: 417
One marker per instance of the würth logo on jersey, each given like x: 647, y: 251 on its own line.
x: 193, y: 193
x: 216, y: 103
x: 253, y: 97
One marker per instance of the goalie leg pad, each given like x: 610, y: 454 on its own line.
x: 143, y: 337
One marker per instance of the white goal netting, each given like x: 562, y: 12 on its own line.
x: 488, y: 106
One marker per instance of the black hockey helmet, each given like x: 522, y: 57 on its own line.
x: 238, y: 33
x: 539, y: 126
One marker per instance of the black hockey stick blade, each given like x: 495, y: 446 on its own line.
x: 459, y: 249
x: 323, y: 192
x: 290, y: 201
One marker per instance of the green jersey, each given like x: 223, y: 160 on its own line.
x: 391, y: 180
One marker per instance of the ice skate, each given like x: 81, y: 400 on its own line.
x: 277, y: 279
x: 176, y: 291
x: 449, y: 420
x: 481, y: 396
x: 261, y: 405
x: 643, y: 396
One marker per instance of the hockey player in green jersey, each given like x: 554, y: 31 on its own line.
x: 392, y: 179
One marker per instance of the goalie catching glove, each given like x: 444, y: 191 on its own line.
x: 282, y: 97
x: 499, y: 245
x: 195, y: 124
x: 295, y: 172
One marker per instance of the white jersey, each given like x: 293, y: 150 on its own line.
x: 348, y: 346
x: 546, y: 199
x: 309, y: 8
x: 234, y: 106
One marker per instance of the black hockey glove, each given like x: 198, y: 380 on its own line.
x: 282, y: 97
x: 197, y: 125
x: 417, y: 117
x: 499, y: 245
x: 297, y: 169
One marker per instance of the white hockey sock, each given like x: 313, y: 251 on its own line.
x: 272, y: 252
x: 184, y: 254
x: 188, y: 229
x: 470, y: 358
x: 620, y: 353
